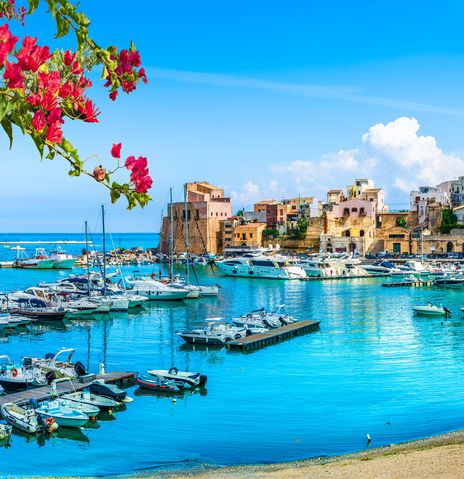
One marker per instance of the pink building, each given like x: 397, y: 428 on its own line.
x: 354, y: 209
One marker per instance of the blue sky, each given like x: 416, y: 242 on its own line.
x: 264, y: 98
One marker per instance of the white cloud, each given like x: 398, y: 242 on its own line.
x: 251, y: 193
x: 392, y: 154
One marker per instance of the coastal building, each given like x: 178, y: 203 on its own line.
x: 248, y: 234
x: 334, y: 197
x: 457, y: 191
x: 422, y: 200
x: 206, y: 208
x: 459, y: 213
x: 364, y: 189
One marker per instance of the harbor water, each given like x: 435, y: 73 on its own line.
x: 372, y: 368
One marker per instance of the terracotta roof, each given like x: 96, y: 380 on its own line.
x: 335, y: 191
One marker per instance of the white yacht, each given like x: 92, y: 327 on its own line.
x: 261, y: 267
x: 327, y: 267
x: 155, y: 290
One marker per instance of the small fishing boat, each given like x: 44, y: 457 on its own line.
x: 86, y: 397
x: 88, y: 409
x: 63, y: 416
x: 25, y: 419
x: 187, y: 378
x: 431, y: 310
x: 159, y: 384
x: 111, y: 391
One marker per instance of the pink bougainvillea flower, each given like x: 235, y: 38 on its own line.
x: 130, y: 162
x: 116, y: 150
x: 54, y: 133
x: 31, y: 56
x: 91, y: 112
x: 55, y: 116
x: 99, y: 173
x: 13, y: 75
x: 114, y: 94
x: 143, y: 184
x: 38, y: 122
x: 76, y: 68
x: 68, y: 57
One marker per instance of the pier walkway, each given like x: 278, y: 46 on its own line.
x: 43, y: 393
x: 257, y: 341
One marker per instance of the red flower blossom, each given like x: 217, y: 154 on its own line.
x: 48, y: 101
x: 91, y: 112
x: 114, y: 94
x: 55, y: 116
x: 116, y: 150
x: 38, y: 122
x: 49, y: 81
x: 68, y: 57
x: 54, y: 133
x: 143, y: 184
x: 130, y: 162
x: 141, y: 74
x: 31, y: 56
x: 76, y: 68
x: 13, y: 75
x: 99, y: 173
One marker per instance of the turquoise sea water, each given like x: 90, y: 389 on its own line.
x: 372, y: 368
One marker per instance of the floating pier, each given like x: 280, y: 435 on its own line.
x: 261, y: 340
x: 410, y: 284
x: 358, y: 276
x: 122, y: 379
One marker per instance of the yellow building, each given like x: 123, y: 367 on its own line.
x: 249, y: 234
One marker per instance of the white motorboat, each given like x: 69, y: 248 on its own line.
x: 261, y: 267
x: 216, y: 333
x: 86, y: 397
x: 186, y: 378
x: 64, y: 416
x: 431, y: 310
x: 155, y: 290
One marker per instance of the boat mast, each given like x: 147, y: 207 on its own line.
x: 87, y: 257
x: 186, y: 219
x: 171, y: 240
x: 104, y: 250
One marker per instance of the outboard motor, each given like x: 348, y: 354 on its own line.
x: 79, y: 369
x: 27, y: 363
x: 50, y: 377
x: 448, y: 312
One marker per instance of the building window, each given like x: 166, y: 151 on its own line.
x: 354, y: 210
x: 347, y: 233
x: 361, y: 233
x: 396, y: 236
x: 346, y: 212
x: 362, y: 212
x: 251, y: 235
x: 243, y: 236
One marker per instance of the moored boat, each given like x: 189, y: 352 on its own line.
x: 431, y: 310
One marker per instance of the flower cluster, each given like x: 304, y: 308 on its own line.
x: 123, y: 71
x: 9, y: 11
x: 140, y: 176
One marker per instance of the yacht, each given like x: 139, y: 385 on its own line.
x: 261, y: 267
x: 328, y: 267
x: 155, y: 290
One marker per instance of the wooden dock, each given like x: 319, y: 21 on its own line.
x: 261, y: 340
x: 409, y: 284
x: 122, y: 379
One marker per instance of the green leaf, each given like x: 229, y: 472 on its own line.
x: 53, y: 7
x: 51, y: 155
x: 33, y: 4
x: 39, y: 144
x: 115, y: 195
x: 74, y: 172
x: 8, y: 127
x: 4, y: 107
x: 62, y: 26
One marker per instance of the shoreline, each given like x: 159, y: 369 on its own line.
x: 412, y: 459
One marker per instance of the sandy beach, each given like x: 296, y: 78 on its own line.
x: 436, y: 457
